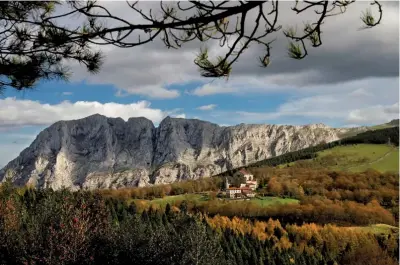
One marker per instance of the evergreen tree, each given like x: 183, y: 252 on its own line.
x: 132, y: 208
x: 183, y: 207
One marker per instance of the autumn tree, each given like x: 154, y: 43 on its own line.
x: 35, y: 46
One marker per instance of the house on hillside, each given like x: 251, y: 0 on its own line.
x: 235, y: 192
x: 250, y: 181
x: 239, y: 192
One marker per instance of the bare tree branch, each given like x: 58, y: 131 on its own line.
x: 34, y: 46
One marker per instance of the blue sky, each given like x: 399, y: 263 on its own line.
x: 55, y: 92
x: 340, y: 84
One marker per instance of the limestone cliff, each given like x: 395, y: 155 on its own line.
x: 101, y: 152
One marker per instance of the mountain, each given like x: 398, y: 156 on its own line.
x: 101, y: 152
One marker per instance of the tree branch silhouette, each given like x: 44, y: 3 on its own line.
x: 34, y: 46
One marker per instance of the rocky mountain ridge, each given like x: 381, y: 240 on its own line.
x: 100, y: 152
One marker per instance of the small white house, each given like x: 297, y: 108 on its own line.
x: 247, y: 175
x: 250, y: 181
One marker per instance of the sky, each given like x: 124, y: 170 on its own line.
x: 351, y: 80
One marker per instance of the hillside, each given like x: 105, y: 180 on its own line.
x: 376, y: 149
x: 355, y: 158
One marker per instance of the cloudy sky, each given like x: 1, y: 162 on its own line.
x: 352, y: 79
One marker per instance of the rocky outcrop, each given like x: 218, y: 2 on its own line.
x: 101, y: 152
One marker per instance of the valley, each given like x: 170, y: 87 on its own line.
x: 292, y: 183
x: 324, y: 204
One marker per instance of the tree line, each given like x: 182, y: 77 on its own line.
x: 63, y: 227
x: 162, y: 190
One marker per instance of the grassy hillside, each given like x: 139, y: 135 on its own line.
x: 199, y: 199
x: 268, y: 201
x: 365, y: 157
x: 355, y: 158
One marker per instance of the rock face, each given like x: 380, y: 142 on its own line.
x: 101, y: 152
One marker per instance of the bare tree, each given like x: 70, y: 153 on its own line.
x: 223, y: 21
x: 33, y: 44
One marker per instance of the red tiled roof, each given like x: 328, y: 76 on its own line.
x: 244, y: 172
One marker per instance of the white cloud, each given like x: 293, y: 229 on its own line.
x: 15, y: 112
x: 364, y: 102
x: 238, y: 85
x: 67, y: 93
x: 147, y: 70
x: 374, y: 114
x: 212, y: 89
x: 182, y: 116
x: 156, y: 92
x: 244, y: 85
x: 351, y: 126
x: 207, y: 107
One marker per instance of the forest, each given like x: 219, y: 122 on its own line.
x: 343, y: 198
x: 63, y: 227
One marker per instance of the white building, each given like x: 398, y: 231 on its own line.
x: 231, y: 192
x: 250, y: 181
x: 245, y: 189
